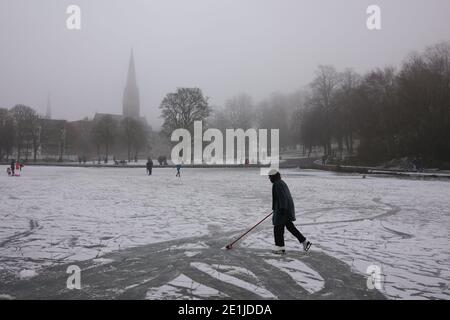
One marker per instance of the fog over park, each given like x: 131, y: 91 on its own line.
x: 222, y: 47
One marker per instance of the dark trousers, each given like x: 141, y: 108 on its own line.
x: 149, y: 171
x: 279, y: 233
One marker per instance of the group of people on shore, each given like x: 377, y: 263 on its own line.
x: 14, y: 167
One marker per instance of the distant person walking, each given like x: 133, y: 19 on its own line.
x: 13, y: 166
x: 178, y: 166
x: 149, y: 166
x: 283, y: 213
x: 419, y: 164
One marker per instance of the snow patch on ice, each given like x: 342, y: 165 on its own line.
x: 306, y: 277
x: 189, y: 246
x: 234, y: 270
x: 27, y: 274
x: 103, y: 260
x: 206, y: 268
x: 182, y: 287
x: 191, y: 254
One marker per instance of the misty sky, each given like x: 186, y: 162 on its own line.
x: 222, y: 46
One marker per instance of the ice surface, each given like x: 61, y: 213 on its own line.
x: 53, y: 215
x: 26, y: 274
x: 308, y: 278
x: 213, y: 272
x: 183, y: 286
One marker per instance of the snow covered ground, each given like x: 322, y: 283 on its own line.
x: 55, y: 215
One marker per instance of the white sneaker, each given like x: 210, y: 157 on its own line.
x: 306, y: 245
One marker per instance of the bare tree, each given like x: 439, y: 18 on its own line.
x: 323, y: 90
x: 424, y: 94
x: 181, y: 108
x: 25, y: 120
x: 7, y: 133
x: 345, y: 110
x: 276, y: 112
x: 35, y: 133
x: 104, y: 133
x: 134, y: 136
x: 219, y: 119
x: 240, y: 111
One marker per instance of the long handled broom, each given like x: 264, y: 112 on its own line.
x: 230, y: 245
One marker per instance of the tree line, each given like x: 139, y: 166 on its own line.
x: 26, y: 135
x: 391, y: 113
x: 378, y: 116
x: 371, y: 118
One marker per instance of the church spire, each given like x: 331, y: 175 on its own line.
x: 131, y: 104
x: 131, y: 79
x: 48, y: 111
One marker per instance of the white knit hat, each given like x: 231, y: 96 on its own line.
x: 273, y: 172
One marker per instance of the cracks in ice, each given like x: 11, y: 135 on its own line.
x: 33, y: 225
x: 157, y: 265
x: 241, y: 273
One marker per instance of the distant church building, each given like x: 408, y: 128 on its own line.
x: 60, y: 139
x: 130, y: 103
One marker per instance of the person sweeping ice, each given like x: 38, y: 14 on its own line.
x: 283, y: 213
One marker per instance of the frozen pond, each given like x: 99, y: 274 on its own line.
x: 55, y: 215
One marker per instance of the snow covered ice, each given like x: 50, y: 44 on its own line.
x: 169, y: 233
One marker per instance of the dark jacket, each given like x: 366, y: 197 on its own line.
x: 149, y: 164
x: 282, y: 204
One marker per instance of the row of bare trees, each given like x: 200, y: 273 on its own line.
x: 381, y: 115
x: 23, y: 133
x: 393, y: 114
x: 131, y: 133
x: 274, y: 112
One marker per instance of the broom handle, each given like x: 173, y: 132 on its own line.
x: 251, y: 229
